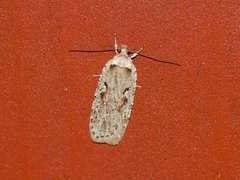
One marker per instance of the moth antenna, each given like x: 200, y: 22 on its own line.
x: 111, y: 50
x: 91, y: 51
x: 161, y: 61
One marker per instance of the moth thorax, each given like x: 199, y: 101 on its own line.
x: 124, y: 50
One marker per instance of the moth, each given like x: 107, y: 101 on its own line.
x: 114, y: 96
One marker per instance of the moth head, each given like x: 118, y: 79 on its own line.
x: 124, y: 50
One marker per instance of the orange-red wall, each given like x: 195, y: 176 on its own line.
x: 186, y: 120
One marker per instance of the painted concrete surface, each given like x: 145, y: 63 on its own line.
x: 185, y: 122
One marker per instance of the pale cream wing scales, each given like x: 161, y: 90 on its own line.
x: 113, y: 103
x: 98, y: 107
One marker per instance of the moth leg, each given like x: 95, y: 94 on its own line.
x: 96, y: 75
x: 115, y: 45
x: 136, y: 53
x: 138, y: 86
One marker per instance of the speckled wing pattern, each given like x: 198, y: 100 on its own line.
x: 113, y: 100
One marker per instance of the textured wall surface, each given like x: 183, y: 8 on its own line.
x: 186, y: 120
